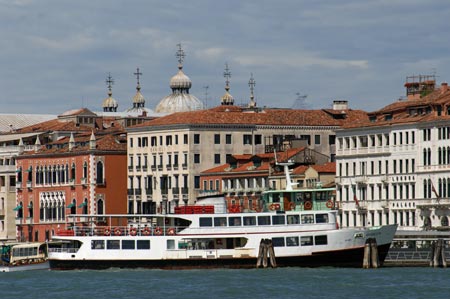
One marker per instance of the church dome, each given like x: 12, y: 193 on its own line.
x: 110, y: 104
x: 180, y: 81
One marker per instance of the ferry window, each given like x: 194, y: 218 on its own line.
x: 263, y: 220
x: 306, y: 241
x: 113, y: 244
x: 143, y: 244
x: 291, y: 241
x: 127, y: 244
x: 321, y: 218
x: 278, y: 242
x: 220, y: 221
x: 308, y: 218
x: 170, y: 244
x: 234, y: 221
x: 97, y: 244
x: 276, y: 197
x: 321, y: 240
x: 293, y: 219
x: 249, y: 220
x: 205, y: 221
x: 278, y: 219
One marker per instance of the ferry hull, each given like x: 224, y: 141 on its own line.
x: 340, y: 258
x: 37, y: 266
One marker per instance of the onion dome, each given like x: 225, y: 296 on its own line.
x: 180, y: 100
x: 110, y: 104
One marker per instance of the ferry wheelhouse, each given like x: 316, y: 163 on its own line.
x: 300, y: 226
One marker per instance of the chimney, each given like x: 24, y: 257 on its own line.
x: 444, y: 87
x: 71, y: 142
x: 92, y: 142
x: 37, y: 144
x: 21, y: 146
x: 340, y: 105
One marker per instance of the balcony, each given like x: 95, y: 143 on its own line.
x: 137, y: 191
x: 175, y: 166
x: 164, y: 191
x: 160, y: 167
x: 28, y: 220
x: 19, y: 220
x: 176, y: 190
x: 19, y: 186
x: 184, y: 190
x: 153, y: 167
x: 130, y: 191
x: 83, y: 181
x: 144, y: 168
x: 138, y: 167
x: 130, y: 168
x: 168, y: 166
x: 184, y: 165
x: 149, y: 191
x: 72, y: 183
x: 29, y: 184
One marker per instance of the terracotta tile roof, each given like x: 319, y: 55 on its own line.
x: 233, y: 115
x: 54, y: 125
x: 400, y: 113
x: 221, y: 168
x: 300, y: 169
x: 329, y: 167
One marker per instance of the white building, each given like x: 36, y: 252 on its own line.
x: 395, y: 167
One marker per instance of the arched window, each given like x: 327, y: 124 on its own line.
x: 73, y: 207
x: 85, y: 170
x: 100, y: 178
x: 427, y: 222
x: 444, y: 221
x: 425, y: 189
x: 100, y: 207
x: 72, y: 173
x: 30, y: 209
x: 85, y: 206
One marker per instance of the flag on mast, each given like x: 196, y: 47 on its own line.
x: 438, y: 197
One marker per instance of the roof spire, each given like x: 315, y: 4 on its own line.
x: 137, y: 74
x: 227, y: 98
x: 251, y: 84
x: 180, y: 55
x: 109, y: 82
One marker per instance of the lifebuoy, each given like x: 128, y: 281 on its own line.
x: 329, y: 204
x: 107, y: 232
x: 117, y: 232
x: 133, y: 231
x: 277, y: 206
x: 272, y: 207
x: 158, y: 231
x: 171, y: 231
x: 146, y: 231
x: 308, y: 205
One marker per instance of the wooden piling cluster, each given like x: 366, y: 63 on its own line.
x: 266, y: 254
x: 437, y: 258
x: 371, y: 259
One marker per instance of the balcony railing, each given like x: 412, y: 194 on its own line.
x: 184, y: 165
x: 29, y: 184
x: 149, y: 191
x: 184, y: 190
x: 164, y: 191
x: 130, y: 168
x: 84, y: 181
x: 144, y: 168
x: 137, y: 191
x: 176, y: 190
x: 130, y: 191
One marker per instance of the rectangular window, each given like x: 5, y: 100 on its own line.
x: 128, y: 244
x: 293, y: 219
x: 234, y: 221
x: 197, y: 182
x: 131, y: 142
x: 306, y: 241
x: 216, y: 138
x: 205, y: 221
x: 170, y: 244
x: 143, y: 244
x: 196, y: 158
x: 321, y: 240
x: 249, y: 220
x: 176, y: 139
x: 278, y: 219
x: 228, y: 139
x: 321, y: 218
x: 316, y: 139
x: 292, y: 241
x: 309, y: 218
x: 185, y: 138
x: 263, y: 220
x: 196, y: 138
x: 278, y: 242
x: 113, y: 244
x: 258, y: 139
x: 247, y: 139
x: 97, y: 244
x: 220, y: 221
x: 217, y: 158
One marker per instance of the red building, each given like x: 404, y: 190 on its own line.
x: 82, y: 175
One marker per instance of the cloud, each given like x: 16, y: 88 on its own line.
x: 70, y: 43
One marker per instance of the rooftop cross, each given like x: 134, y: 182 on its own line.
x: 137, y: 74
x: 251, y: 84
x: 109, y: 82
x: 180, y: 55
x: 227, y: 76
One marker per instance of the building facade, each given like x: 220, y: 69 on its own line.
x: 395, y: 168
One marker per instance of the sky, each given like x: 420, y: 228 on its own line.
x: 55, y: 55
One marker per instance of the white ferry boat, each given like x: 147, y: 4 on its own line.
x: 297, y: 228
x: 23, y: 256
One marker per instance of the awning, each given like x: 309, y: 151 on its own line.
x: 83, y: 204
x: 71, y: 205
x: 17, y: 208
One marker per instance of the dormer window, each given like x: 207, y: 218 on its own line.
x: 372, y: 118
x: 388, y: 117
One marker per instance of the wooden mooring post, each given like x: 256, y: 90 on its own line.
x: 371, y: 259
x: 266, y: 254
x: 437, y: 254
